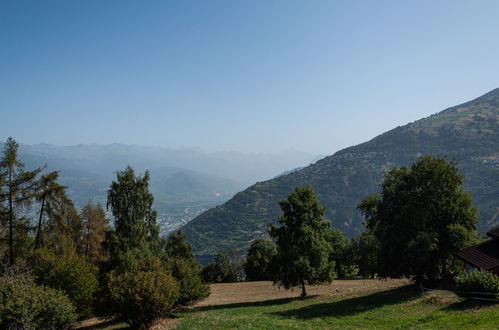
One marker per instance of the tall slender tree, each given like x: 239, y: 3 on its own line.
x: 95, y: 226
x: 49, y: 193
x: 19, y: 188
x: 64, y: 228
x: 134, y: 218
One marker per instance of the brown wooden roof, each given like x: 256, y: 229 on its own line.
x: 484, y: 255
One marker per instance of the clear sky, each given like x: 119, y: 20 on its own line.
x: 251, y: 76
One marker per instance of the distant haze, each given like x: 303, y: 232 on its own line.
x: 247, y: 76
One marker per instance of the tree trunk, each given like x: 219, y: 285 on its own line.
x: 303, y: 291
x: 11, y: 222
x: 37, y: 240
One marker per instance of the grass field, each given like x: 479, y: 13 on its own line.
x: 345, y: 304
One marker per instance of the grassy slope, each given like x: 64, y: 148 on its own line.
x: 394, y: 308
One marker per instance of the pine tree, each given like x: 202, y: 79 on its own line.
x: 303, y: 248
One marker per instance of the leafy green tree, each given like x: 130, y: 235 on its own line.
x: 303, y: 248
x: 143, y: 293
x: 135, y: 225
x: 258, y: 261
x: 49, y: 192
x: 185, y: 269
x: 227, y: 268
x: 70, y: 273
x: 19, y: 187
x: 420, y: 218
x: 177, y: 247
x: 25, y: 305
x: 365, y: 251
x: 342, y: 254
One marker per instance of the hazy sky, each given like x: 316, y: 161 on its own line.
x: 238, y: 75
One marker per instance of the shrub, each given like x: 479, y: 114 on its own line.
x: 211, y: 274
x: 71, y: 274
x: 140, y: 297
x: 258, y: 260
x: 478, y: 281
x: 25, y: 305
x: 188, y: 274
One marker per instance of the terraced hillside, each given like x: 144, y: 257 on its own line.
x: 467, y: 133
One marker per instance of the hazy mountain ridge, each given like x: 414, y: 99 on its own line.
x: 468, y: 133
x: 180, y: 192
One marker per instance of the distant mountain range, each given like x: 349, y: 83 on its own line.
x: 467, y: 133
x: 185, y: 182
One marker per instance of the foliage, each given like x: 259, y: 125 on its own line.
x: 228, y: 268
x: 258, y: 260
x: 342, y: 255
x: 421, y: 217
x: 63, y: 230
x: 303, y: 249
x: 134, y: 218
x: 211, y: 274
x: 186, y: 269
x: 94, y: 228
x: 191, y: 285
x: 70, y: 274
x: 25, y: 305
x: 478, y: 281
x: 142, y: 296
x: 49, y: 193
x: 364, y: 253
x: 17, y: 191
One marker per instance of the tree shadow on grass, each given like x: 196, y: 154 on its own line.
x: 352, y: 306
x: 269, y: 302
x: 470, y: 304
x: 106, y: 324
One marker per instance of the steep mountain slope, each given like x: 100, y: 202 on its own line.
x: 468, y: 133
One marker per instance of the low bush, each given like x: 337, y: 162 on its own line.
x: 478, y: 283
x: 140, y: 297
x: 188, y: 274
x: 25, y: 305
x: 71, y: 274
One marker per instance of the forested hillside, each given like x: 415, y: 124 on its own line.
x: 467, y: 133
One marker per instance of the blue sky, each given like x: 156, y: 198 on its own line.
x: 251, y: 76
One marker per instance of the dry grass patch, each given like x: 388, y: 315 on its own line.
x: 233, y: 293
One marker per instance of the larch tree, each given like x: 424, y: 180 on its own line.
x: 49, y: 193
x: 19, y: 188
x: 95, y: 226
x: 303, y: 246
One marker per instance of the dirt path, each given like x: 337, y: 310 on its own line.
x: 230, y: 293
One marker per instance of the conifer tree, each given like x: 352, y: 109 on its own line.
x: 19, y: 187
x: 303, y: 248
x: 95, y: 226
x: 49, y: 192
